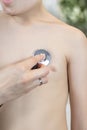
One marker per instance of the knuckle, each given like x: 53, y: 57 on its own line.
x: 46, y: 69
x: 46, y: 81
x: 46, y: 72
x: 24, y: 79
x: 27, y: 78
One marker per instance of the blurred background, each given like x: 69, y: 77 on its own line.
x: 73, y: 12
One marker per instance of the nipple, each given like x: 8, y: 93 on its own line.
x: 47, y: 59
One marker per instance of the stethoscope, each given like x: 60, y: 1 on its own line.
x: 47, y: 59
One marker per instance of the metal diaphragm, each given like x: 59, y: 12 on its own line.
x: 47, y: 59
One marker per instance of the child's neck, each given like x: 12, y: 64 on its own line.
x: 38, y: 12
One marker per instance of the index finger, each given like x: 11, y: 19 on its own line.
x: 32, y: 61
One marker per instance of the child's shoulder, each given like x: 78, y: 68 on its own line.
x: 66, y: 29
x: 70, y: 32
x: 72, y: 37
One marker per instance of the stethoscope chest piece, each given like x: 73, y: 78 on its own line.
x: 47, y: 59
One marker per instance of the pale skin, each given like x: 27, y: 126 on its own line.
x: 24, y: 28
x: 18, y: 79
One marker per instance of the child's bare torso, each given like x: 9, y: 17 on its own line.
x: 44, y: 108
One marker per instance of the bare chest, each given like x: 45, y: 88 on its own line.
x: 43, y: 100
x: 22, y: 44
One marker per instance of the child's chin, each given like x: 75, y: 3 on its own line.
x: 7, y: 2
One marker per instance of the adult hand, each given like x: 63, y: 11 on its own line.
x: 19, y: 78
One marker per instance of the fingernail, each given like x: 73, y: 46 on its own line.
x: 43, y: 56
